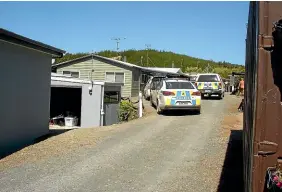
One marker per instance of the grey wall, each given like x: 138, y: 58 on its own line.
x: 25, y: 93
x: 90, y: 106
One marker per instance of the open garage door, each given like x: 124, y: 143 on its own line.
x: 65, y: 101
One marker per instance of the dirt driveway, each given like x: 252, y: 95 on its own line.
x: 156, y: 153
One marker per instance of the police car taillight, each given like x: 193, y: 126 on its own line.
x: 197, y: 93
x: 168, y: 93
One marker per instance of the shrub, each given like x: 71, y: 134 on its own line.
x: 127, y: 111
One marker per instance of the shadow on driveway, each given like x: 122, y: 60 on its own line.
x: 180, y: 113
x: 52, y: 132
x: 231, y: 179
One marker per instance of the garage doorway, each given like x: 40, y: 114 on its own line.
x: 65, y: 101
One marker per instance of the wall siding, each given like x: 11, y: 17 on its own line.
x: 100, y: 68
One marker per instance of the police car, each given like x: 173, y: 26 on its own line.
x: 174, y: 94
x: 210, y: 85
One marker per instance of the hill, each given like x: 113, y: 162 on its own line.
x: 167, y: 59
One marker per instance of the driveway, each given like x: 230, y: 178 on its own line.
x: 157, y: 153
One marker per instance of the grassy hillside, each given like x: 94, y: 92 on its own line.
x: 165, y: 59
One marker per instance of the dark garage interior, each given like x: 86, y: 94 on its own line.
x: 65, y: 101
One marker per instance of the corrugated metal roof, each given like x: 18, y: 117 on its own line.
x: 17, y: 39
x: 64, y: 78
x: 167, y: 70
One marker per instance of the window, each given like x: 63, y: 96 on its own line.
x: 179, y: 85
x: 74, y: 74
x: 208, y: 78
x: 110, y: 77
x: 117, y: 77
x: 111, y: 96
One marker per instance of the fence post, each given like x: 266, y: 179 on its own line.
x: 140, y: 106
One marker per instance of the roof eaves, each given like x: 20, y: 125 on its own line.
x: 11, y: 37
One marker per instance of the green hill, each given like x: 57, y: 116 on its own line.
x: 167, y: 59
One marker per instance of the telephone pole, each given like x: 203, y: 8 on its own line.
x: 118, y: 39
x: 141, y: 60
x: 148, y: 47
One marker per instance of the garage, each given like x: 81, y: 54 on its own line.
x: 25, y: 90
x: 83, y: 102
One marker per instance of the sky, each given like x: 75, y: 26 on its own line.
x: 208, y: 30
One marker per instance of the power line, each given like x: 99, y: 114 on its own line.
x: 118, y: 39
x: 148, y: 46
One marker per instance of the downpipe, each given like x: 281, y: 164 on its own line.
x: 102, y: 113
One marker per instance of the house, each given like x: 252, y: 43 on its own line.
x: 25, y: 89
x: 94, y: 103
x: 100, y: 68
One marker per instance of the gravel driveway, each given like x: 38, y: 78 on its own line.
x: 157, y: 153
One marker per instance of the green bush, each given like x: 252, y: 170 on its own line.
x: 127, y: 111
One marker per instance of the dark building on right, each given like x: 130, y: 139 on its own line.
x: 262, y: 134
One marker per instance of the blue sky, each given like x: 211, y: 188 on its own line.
x: 208, y: 30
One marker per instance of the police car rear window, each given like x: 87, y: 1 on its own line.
x: 207, y: 78
x: 179, y: 85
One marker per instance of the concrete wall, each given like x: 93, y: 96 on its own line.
x: 100, y: 68
x: 90, y: 106
x: 25, y: 94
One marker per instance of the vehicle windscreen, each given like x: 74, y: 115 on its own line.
x: 207, y: 78
x: 179, y: 85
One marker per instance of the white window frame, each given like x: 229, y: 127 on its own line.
x: 76, y: 71
x: 115, y: 75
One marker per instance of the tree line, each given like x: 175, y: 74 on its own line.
x: 159, y: 58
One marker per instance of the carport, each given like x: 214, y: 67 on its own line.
x: 94, y: 103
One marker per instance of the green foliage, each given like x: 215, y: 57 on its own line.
x: 165, y: 59
x: 127, y: 111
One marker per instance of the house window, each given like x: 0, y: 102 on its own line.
x: 110, y: 77
x: 74, y: 74
x: 117, y: 77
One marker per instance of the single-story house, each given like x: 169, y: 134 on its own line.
x: 100, y: 68
x: 93, y: 103
x: 25, y: 89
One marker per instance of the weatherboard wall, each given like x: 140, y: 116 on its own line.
x: 100, y: 68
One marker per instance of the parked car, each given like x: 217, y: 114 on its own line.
x: 147, y: 89
x: 193, y: 78
x: 174, y: 94
x: 210, y: 84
